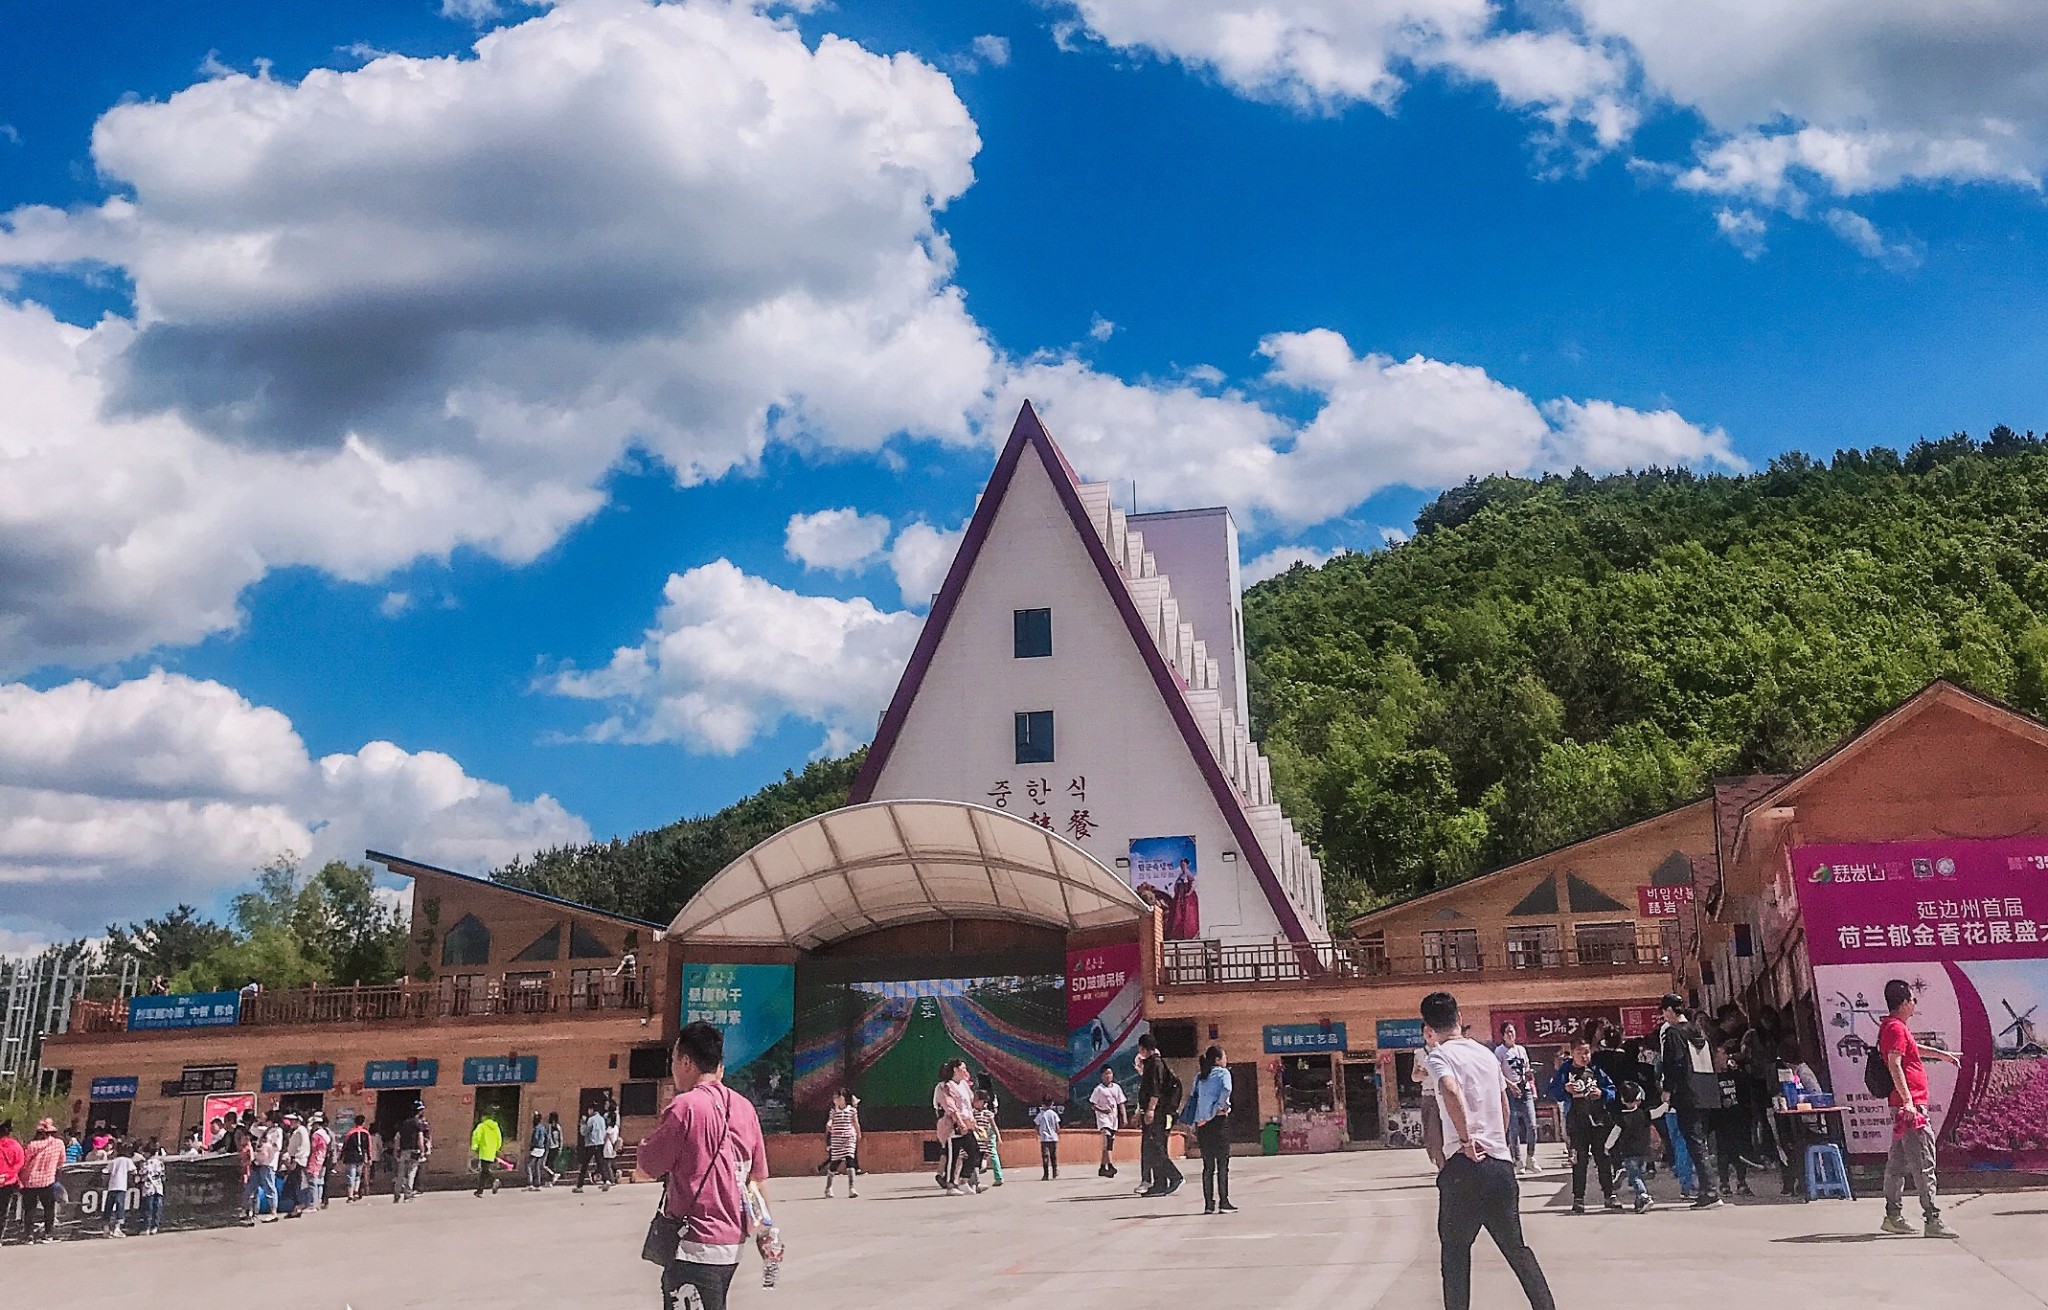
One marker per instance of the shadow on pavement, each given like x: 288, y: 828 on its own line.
x: 1822, y: 1239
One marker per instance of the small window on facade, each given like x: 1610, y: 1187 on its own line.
x: 1033, y: 633
x: 639, y: 1099
x: 1533, y: 946
x: 468, y: 942
x: 1745, y: 947
x: 1606, y: 943
x: 649, y: 1063
x: 1452, y: 950
x: 1034, y: 737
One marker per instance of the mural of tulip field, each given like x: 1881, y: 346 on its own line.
x: 887, y: 1040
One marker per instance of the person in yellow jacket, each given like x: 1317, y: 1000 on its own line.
x: 484, y: 1142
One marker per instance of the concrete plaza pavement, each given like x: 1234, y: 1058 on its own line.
x: 1354, y: 1230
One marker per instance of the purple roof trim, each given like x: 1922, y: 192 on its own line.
x: 1028, y: 431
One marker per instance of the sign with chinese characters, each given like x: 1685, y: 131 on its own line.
x: 307, y: 1077
x: 200, y: 1080
x: 1961, y: 923
x: 1641, y: 1020
x: 755, y: 1006
x: 1558, y: 1025
x: 497, y: 1070
x: 114, y: 1089
x: 186, y: 1010
x: 1303, y: 1038
x: 1163, y: 873
x: 1398, y: 1034
x: 1663, y: 902
x: 1105, y: 1017
x: 1043, y: 801
x: 379, y: 1075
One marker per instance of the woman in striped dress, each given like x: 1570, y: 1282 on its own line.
x: 842, y: 1141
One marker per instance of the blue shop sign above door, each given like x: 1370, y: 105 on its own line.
x: 308, y: 1077
x: 492, y: 1070
x: 379, y: 1075
x: 1399, y: 1034
x: 187, y: 1010
x: 1302, y: 1038
x: 114, y: 1089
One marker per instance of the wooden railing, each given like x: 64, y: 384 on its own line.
x: 392, y: 1003
x: 1214, y: 964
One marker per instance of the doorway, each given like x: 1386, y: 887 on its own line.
x: 302, y: 1104
x: 113, y: 1115
x: 1245, y: 1124
x: 1362, y: 1100
x: 500, y: 1103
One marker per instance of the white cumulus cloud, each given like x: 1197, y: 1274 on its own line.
x: 119, y: 800
x: 1842, y: 97
x: 919, y: 557
x: 424, y: 304
x: 841, y: 540
x: 1377, y: 422
x: 730, y: 656
x: 1278, y: 560
x: 992, y: 50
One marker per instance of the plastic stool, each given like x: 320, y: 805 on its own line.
x: 1826, y: 1174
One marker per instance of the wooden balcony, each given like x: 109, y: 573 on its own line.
x: 395, y: 1003
x: 1340, y: 964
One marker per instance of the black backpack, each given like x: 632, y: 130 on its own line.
x: 1171, y: 1093
x: 1877, y: 1074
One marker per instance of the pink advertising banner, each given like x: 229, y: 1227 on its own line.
x: 1962, y: 922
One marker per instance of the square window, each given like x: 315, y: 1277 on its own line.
x: 1034, y: 737
x: 1033, y: 630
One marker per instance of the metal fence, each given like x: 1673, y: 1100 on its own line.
x: 1211, y: 964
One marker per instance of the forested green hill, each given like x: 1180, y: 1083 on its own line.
x: 1546, y: 659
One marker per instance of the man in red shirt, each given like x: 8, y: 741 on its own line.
x: 707, y: 1145
x: 1912, y: 1132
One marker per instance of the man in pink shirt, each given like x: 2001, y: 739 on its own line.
x: 705, y: 1149
x: 40, y: 1160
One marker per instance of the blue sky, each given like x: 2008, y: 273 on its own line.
x: 373, y: 383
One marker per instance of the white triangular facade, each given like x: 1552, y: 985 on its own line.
x: 1123, y: 767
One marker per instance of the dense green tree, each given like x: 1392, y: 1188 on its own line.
x: 170, y: 943
x: 650, y: 874
x: 1549, y: 657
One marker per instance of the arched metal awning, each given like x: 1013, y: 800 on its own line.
x: 864, y: 867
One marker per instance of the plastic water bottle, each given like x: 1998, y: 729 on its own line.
x: 767, y: 1237
x: 769, y: 1244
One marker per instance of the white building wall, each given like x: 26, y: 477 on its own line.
x: 1197, y: 548
x: 1112, y: 730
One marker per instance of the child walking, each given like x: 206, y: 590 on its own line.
x: 120, y: 1172
x: 987, y: 1138
x: 151, y: 1173
x: 1630, y: 1139
x: 1047, y: 1117
x: 842, y: 1141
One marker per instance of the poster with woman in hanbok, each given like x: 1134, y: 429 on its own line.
x: 1163, y: 872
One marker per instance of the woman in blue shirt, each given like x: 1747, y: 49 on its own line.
x: 1211, y: 1118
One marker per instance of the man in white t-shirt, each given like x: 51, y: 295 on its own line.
x: 1514, y: 1066
x: 1476, y: 1187
x: 1108, y: 1099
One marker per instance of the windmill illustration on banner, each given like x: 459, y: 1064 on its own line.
x: 2024, y: 1040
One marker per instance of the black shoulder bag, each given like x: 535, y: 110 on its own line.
x: 665, y: 1232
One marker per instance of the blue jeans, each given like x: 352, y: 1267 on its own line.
x: 1681, y: 1158
x: 1633, y: 1169
x: 262, y: 1187
x: 117, y: 1211
x: 152, y: 1211
x: 1522, y: 1128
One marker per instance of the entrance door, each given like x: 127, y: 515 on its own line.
x: 1244, y: 1102
x: 113, y: 1115
x: 1361, y: 1101
x: 302, y: 1104
x: 502, y: 1104
x: 393, y: 1109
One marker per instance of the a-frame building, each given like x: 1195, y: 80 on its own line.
x: 1058, y: 678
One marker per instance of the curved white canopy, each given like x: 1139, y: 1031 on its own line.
x: 853, y: 870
